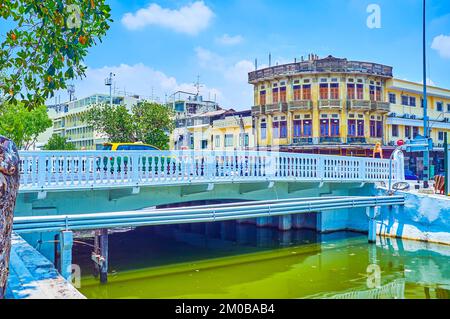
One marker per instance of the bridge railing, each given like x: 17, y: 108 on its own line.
x: 42, y: 170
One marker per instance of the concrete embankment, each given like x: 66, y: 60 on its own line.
x: 424, y: 218
x: 32, y: 276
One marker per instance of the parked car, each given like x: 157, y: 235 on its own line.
x: 122, y: 147
x: 410, y: 176
x: 129, y: 147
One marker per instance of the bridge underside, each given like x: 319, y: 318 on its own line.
x: 126, y: 199
x: 71, y: 201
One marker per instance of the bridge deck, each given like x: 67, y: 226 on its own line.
x: 55, y: 171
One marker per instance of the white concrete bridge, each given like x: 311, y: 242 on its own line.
x: 94, y: 170
x: 63, y: 191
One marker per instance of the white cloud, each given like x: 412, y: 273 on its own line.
x: 137, y: 79
x: 237, y: 72
x: 209, y: 60
x: 441, y: 43
x: 229, y: 40
x: 238, y: 94
x: 190, y: 19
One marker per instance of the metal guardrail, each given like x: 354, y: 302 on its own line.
x: 47, y: 171
x: 199, y: 214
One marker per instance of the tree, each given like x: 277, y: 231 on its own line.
x: 58, y: 143
x: 114, y: 121
x: 147, y: 122
x: 9, y: 185
x: 154, y: 123
x: 43, y: 50
x: 46, y: 46
x: 22, y: 125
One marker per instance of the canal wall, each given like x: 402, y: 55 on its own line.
x: 32, y: 276
x: 424, y: 218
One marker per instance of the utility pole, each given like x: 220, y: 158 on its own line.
x: 426, y: 133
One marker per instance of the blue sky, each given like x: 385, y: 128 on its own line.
x: 166, y: 44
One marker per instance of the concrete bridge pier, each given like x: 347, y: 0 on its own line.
x: 285, y: 222
x: 273, y: 221
x: 228, y: 231
x: 65, y: 254
x: 263, y: 237
x: 103, y: 240
x: 304, y: 221
x: 242, y: 234
x: 100, y: 255
x: 372, y: 214
x: 285, y: 238
x: 263, y: 221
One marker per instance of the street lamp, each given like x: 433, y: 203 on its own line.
x: 426, y: 133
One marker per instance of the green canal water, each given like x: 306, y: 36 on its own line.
x: 230, y: 260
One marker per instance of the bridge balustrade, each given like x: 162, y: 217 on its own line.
x: 47, y: 170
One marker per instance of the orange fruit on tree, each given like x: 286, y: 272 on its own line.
x: 82, y: 39
x: 13, y: 36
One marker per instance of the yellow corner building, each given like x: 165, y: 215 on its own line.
x: 341, y: 107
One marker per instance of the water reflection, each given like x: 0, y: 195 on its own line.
x: 236, y: 260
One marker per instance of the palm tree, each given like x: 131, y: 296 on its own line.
x: 9, y: 185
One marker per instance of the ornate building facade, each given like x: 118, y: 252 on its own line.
x: 341, y: 107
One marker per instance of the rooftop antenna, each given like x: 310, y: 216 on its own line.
x: 71, y: 91
x: 198, y: 85
x: 108, y: 82
x: 270, y: 60
x: 256, y: 64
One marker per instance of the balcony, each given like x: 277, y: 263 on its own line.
x: 381, y: 107
x: 356, y: 140
x: 302, y: 141
x: 331, y: 140
x: 258, y: 109
x: 330, y: 104
x: 300, y: 105
x: 359, y: 105
x: 277, y: 107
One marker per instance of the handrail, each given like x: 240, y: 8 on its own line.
x: 46, y: 171
x: 199, y: 214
